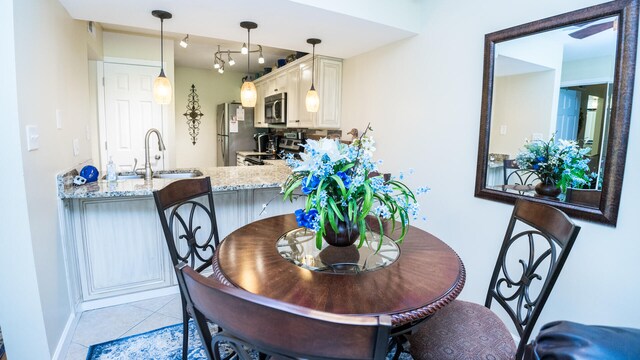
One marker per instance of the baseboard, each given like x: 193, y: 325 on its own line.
x: 65, y: 340
x: 123, y: 299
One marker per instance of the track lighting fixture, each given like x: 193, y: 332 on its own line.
x: 219, y: 58
x: 185, y: 42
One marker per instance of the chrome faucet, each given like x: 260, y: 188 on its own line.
x: 148, y: 173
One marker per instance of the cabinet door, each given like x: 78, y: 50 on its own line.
x: 259, y: 109
x: 293, y: 116
x: 121, y: 248
x: 306, y: 119
x: 230, y: 211
x: 329, y: 86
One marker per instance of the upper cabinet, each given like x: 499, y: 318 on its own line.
x: 295, y: 80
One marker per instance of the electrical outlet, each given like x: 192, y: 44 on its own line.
x: 76, y: 147
x: 33, y: 138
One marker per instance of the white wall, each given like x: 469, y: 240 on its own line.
x: 423, y: 96
x: 522, y: 103
x: 51, y: 74
x: 212, y: 89
x: 21, y: 317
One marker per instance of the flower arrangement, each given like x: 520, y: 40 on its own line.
x: 343, y: 187
x: 562, y: 163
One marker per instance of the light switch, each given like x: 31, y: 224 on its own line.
x: 33, y: 138
x: 58, y: 119
x: 503, y: 129
x: 536, y: 137
x: 76, y: 147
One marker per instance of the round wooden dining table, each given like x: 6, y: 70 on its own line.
x: 426, y: 276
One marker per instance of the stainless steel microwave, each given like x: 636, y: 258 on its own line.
x: 275, y: 109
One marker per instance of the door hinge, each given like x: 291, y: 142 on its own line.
x: 106, y: 147
x: 103, y: 81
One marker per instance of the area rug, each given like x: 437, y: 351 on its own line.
x: 1, y: 345
x: 160, y: 344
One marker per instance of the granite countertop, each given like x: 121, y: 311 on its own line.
x: 222, y: 178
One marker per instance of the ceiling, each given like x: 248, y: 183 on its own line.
x: 283, y: 25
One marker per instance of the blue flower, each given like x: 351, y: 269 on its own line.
x: 308, y: 219
x: 310, y: 184
x: 346, y: 179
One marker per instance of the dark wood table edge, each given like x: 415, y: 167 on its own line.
x: 397, y: 319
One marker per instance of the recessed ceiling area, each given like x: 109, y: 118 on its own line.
x: 282, y: 24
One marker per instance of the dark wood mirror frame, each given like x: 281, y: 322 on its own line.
x: 627, y: 11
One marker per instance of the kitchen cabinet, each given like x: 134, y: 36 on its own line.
x: 328, y: 84
x: 295, y: 80
x: 258, y: 112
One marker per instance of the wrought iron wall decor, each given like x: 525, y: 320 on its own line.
x: 193, y: 114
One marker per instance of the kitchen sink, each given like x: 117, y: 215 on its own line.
x: 176, y: 174
x: 160, y: 174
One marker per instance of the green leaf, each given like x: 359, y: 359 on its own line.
x: 336, y: 211
x: 362, y: 226
x: 332, y: 218
x: 338, y: 181
x: 366, y: 204
x: 290, y: 189
x: 319, y: 240
x: 347, y: 166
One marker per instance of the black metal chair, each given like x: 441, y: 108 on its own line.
x: 188, y: 219
x: 278, y: 329
x: 520, y: 180
x: 535, y: 247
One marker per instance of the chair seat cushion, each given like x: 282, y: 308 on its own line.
x: 573, y: 341
x: 463, y: 330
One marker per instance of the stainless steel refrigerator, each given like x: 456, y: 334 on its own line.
x: 233, y: 134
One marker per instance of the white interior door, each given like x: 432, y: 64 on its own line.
x: 568, y: 114
x: 129, y: 112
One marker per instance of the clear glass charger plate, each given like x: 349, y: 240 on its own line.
x: 299, y: 247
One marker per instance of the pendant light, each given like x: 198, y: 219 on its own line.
x: 162, y: 85
x: 248, y: 92
x: 312, y: 101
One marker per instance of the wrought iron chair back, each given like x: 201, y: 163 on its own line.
x: 188, y: 218
x: 521, y: 180
x: 280, y: 329
x: 521, y: 287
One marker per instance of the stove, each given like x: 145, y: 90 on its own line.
x: 290, y: 146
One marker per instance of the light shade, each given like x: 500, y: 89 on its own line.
x: 312, y: 101
x: 162, y: 89
x: 248, y: 94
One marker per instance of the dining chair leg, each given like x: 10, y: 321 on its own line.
x: 185, y: 332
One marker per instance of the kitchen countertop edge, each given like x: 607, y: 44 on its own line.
x: 228, y: 178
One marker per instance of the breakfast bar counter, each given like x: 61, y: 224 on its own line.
x: 271, y: 175
x: 112, y: 237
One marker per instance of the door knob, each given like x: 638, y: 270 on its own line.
x: 157, y: 157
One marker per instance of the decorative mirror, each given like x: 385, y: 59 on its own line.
x: 567, y: 77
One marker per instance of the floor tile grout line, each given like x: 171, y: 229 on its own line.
x: 140, y: 322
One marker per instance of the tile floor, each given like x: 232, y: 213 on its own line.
x: 100, y: 325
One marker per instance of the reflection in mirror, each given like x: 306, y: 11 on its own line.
x: 557, y: 84
x: 568, y: 77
